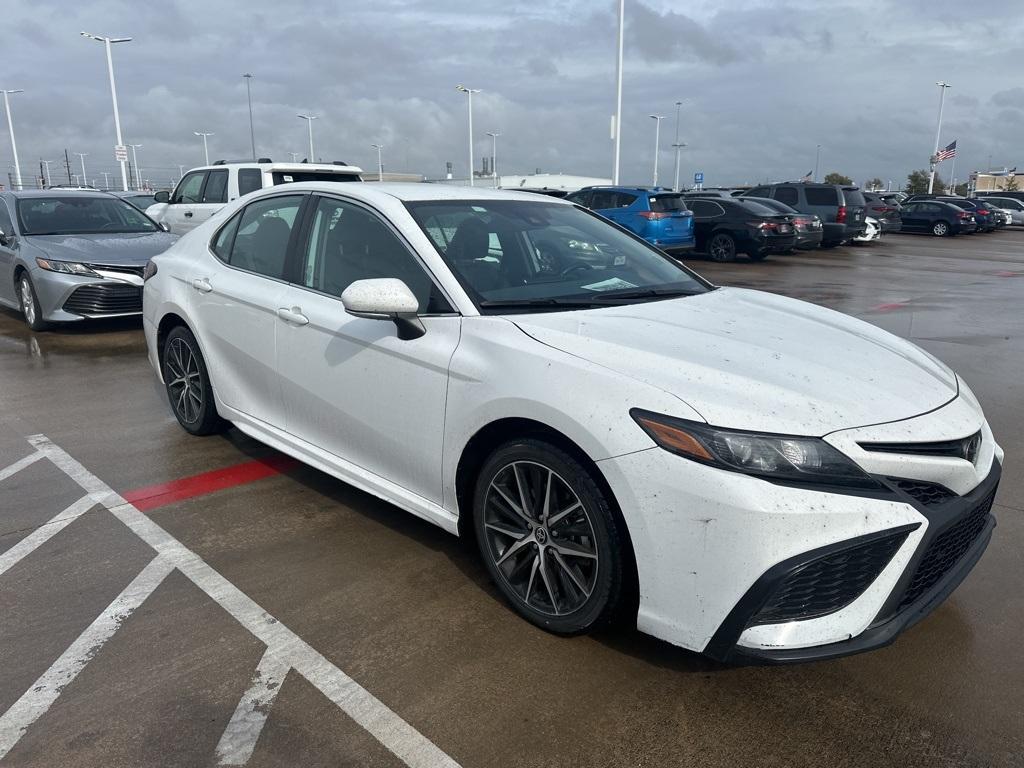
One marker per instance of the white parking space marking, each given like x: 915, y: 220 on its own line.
x: 19, y: 465
x: 243, y: 731
x: 44, y: 691
x: 44, y: 533
x: 290, y: 650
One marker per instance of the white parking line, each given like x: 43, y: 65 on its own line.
x: 243, y: 731
x: 44, y: 691
x: 44, y: 533
x: 19, y: 465
x: 404, y: 741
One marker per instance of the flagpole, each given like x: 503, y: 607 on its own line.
x: 952, y: 176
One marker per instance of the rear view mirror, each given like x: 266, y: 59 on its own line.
x: 163, y: 196
x: 385, y: 298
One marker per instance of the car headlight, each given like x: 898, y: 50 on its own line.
x: 66, y: 267
x: 779, y: 458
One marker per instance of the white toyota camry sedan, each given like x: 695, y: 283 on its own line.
x: 738, y: 473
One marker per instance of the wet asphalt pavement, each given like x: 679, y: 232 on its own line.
x: 402, y: 614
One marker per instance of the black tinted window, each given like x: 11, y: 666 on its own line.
x: 604, y: 198
x: 755, y: 208
x: 580, y: 198
x: 624, y: 199
x: 822, y: 196
x: 249, y: 180
x: 221, y: 244
x: 667, y: 203
x: 853, y: 197
x: 759, y: 192
x: 216, y: 187
x: 705, y: 208
x: 787, y: 195
x: 290, y: 177
x: 261, y: 244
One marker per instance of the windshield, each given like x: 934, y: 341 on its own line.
x: 511, y: 254
x: 80, y: 215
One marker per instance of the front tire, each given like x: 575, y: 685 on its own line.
x: 188, y: 384
x: 29, y: 301
x: 549, y: 538
x: 940, y: 229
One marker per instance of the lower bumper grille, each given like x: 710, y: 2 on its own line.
x: 830, y: 583
x: 110, y: 299
x: 946, y: 550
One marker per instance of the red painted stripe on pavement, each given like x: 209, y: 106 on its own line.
x: 153, y: 496
x: 889, y: 307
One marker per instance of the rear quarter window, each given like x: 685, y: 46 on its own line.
x: 249, y: 180
x: 787, y: 195
x: 821, y: 196
x: 289, y: 177
x: 853, y: 197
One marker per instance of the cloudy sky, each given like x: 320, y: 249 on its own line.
x: 765, y: 82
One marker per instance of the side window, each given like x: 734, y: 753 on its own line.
x: 623, y: 199
x: 705, y: 209
x: 822, y: 196
x: 189, y: 188
x: 216, y: 187
x: 580, y: 198
x: 759, y: 192
x: 221, y: 245
x: 6, y: 226
x: 249, y: 180
x: 787, y: 195
x: 264, y: 228
x: 602, y: 199
x: 348, y: 243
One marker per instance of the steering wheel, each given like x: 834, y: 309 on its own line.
x: 574, y: 266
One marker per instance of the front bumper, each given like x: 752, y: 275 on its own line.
x: 69, y: 298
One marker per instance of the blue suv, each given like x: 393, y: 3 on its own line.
x: 658, y: 215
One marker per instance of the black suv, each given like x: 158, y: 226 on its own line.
x: 840, y: 208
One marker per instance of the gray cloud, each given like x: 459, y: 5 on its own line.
x: 766, y: 82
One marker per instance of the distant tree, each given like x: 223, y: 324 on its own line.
x: 961, y: 189
x: 1011, y: 184
x: 876, y: 183
x: 837, y: 178
x: 917, y: 183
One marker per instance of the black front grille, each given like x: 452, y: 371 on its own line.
x: 110, y: 299
x: 961, y: 448
x: 946, y: 550
x: 830, y: 583
x: 138, y: 271
x: 928, y: 494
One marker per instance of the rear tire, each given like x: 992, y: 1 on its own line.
x: 722, y: 248
x: 549, y: 538
x: 29, y: 302
x: 187, y: 381
x: 940, y: 229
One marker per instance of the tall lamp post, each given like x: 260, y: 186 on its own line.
x: 295, y: 156
x: 108, y: 41
x: 657, y: 145
x: 10, y: 128
x: 309, y: 122
x: 380, y: 161
x: 617, y: 126
x: 248, y: 96
x: 135, y: 162
x: 494, y: 156
x: 677, y: 146
x: 206, y: 147
x: 938, y: 132
x: 469, y: 92
x: 817, y: 159
x: 81, y: 156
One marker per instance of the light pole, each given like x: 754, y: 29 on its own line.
x: 494, y: 156
x: 295, y: 156
x: 657, y: 145
x: 938, y: 132
x: 617, y: 132
x: 817, y: 159
x: 10, y: 128
x: 206, y: 148
x: 107, y: 41
x: 678, y: 146
x: 248, y: 96
x: 380, y: 161
x: 81, y: 156
x: 309, y: 122
x: 135, y: 162
x: 106, y: 180
x: 181, y: 172
x: 469, y: 92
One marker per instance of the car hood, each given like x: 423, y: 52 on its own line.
x: 117, y: 250
x: 752, y: 360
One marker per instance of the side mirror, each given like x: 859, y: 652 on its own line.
x: 385, y: 298
x: 163, y: 196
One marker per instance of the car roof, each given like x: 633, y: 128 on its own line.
x: 282, y: 166
x: 410, y: 192
x: 54, y: 192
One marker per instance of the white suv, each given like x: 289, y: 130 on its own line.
x: 204, y: 191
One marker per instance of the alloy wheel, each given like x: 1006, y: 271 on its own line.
x: 28, y: 302
x: 940, y: 228
x: 722, y: 248
x: 540, y: 538
x: 186, y: 385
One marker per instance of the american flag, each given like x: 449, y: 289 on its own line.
x: 947, y: 153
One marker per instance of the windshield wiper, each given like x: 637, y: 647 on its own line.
x: 538, y: 303
x: 645, y: 293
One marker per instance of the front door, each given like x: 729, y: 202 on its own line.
x: 352, y: 387
x: 180, y: 213
x: 236, y: 293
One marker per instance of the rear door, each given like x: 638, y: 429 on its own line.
x: 213, y: 198
x: 914, y: 218
x: 706, y: 215
x: 180, y: 212
x: 855, y: 204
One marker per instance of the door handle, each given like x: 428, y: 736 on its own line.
x: 202, y: 285
x: 188, y: 214
x: 293, y: 316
